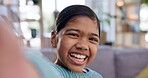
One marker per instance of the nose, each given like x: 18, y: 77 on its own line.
x: 82, y: 45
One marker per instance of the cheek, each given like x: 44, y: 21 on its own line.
x: 93, y: 52
x: 65, y: 44
x: 62, y: 49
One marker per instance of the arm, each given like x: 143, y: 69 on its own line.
x: 12, y: 62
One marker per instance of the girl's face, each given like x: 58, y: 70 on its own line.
x: 77, y: 43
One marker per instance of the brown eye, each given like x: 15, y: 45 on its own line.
x: 94, y: 40
x: 73, y: 34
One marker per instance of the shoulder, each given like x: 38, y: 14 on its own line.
x: 43, y: 65
x: 94, y: 73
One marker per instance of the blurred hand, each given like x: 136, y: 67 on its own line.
x: 13, y: 64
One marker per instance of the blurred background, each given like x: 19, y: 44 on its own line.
x: 124, y: 23
x: 123, y: 50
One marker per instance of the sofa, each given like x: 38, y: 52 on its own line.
x: 114, y: 63
x: 120, y: 63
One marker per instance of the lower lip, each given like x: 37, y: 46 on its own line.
x: 77, y: 62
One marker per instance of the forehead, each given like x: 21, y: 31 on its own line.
x: 82, y: 18
x: 83, y: 23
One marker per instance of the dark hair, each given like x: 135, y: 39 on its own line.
x: 74, y: 10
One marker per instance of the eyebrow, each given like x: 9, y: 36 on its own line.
x: 93, y: 34
x: 73, y: 30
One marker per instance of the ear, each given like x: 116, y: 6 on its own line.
x: 53, y: 39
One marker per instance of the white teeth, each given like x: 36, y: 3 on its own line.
x: 78, y: 59
x: 79, y: 56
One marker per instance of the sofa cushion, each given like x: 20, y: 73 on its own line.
x: 143, y: 73
x: 50, y: 53
x: 104, y: 62
x: 130, y: 62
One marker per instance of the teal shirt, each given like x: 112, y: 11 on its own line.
x: 66, y: 73
x: 48, y: 69
x: 43, y: 65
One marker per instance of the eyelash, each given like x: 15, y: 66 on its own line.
x: 77, y: 35
x: 73, y: 34
x: 93, y: 39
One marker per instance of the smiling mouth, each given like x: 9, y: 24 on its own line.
x: 78, y: 58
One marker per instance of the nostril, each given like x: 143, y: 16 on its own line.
x: 81, y: 47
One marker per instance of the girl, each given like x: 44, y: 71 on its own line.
x: 76, y: 38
